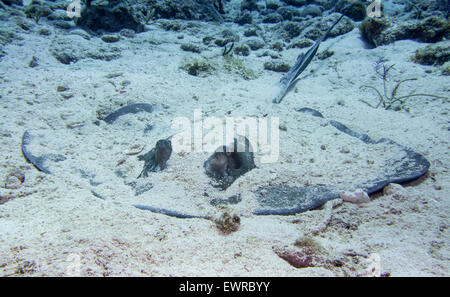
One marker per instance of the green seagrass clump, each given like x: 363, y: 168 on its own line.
x: 198, y: 67
x: 236, y: 65
x: 389, y: 98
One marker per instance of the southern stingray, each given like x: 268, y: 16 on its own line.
x: 317, y: 166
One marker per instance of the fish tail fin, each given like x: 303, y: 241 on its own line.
x: 331, y: 28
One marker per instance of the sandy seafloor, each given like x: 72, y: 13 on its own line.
x: 52, y: 219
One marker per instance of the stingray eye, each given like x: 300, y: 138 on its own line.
x: 234, y: 161
x: 218, y: 165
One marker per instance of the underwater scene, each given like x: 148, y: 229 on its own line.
x: 225, y: 138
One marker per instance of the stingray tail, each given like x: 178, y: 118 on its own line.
x: 288, y: 80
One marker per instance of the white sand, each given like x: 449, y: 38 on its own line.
x: 51, y: 218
